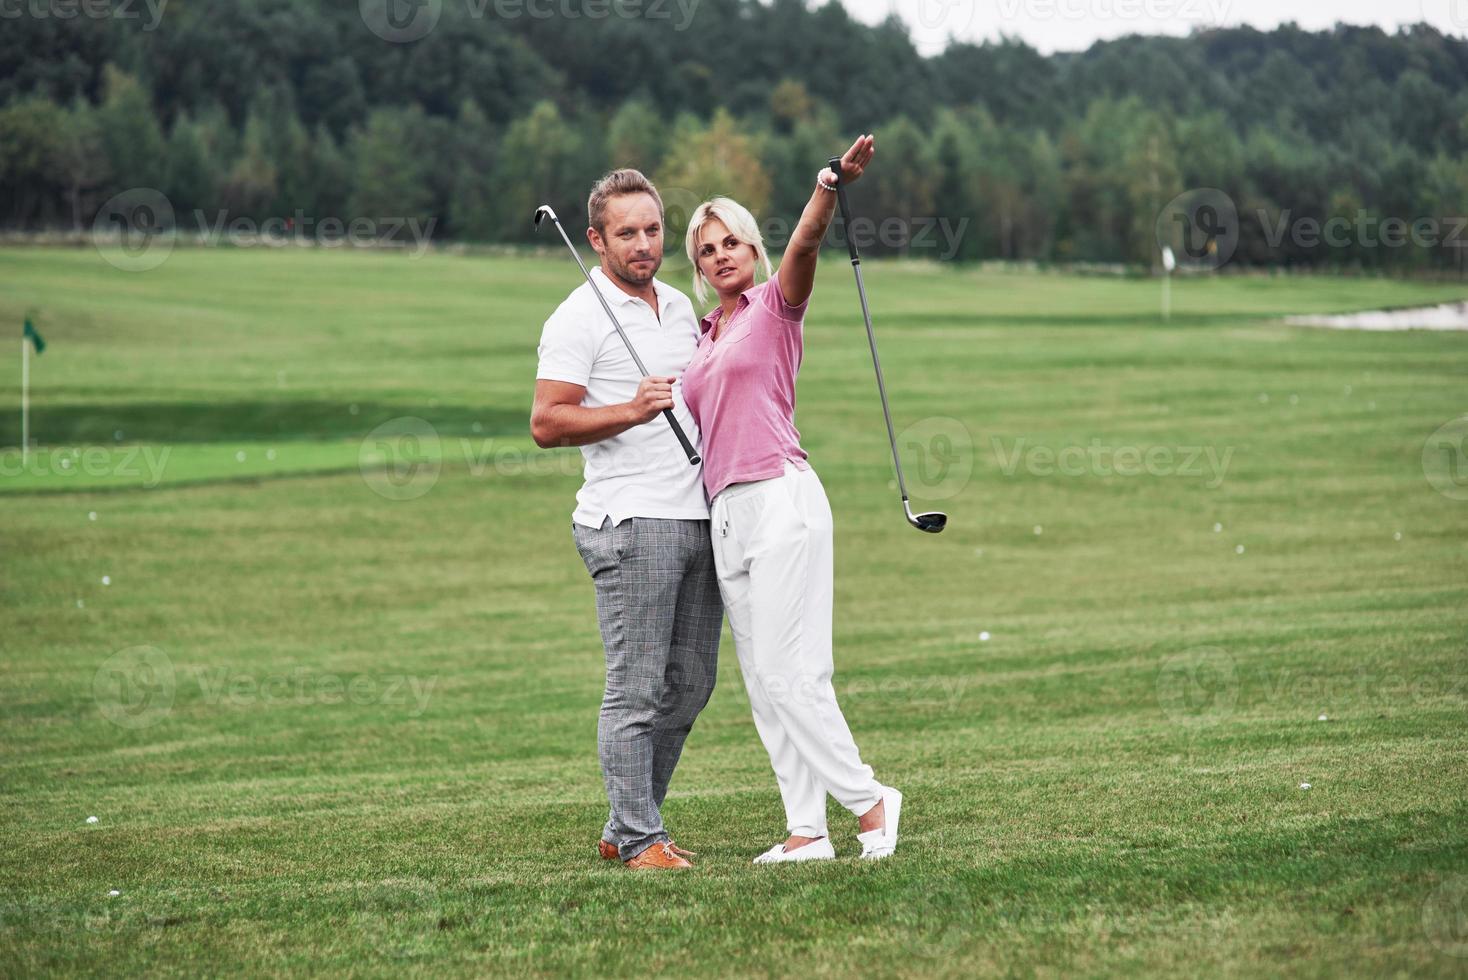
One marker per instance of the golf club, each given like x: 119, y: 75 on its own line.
x: 933, y: 521
x: 545, y: 211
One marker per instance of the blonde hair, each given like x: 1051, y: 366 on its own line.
x: 741, y: 224
x: 615, y: 184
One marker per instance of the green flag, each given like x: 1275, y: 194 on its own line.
x: 34, y: 338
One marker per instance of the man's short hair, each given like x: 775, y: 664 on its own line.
x: 616, y: 184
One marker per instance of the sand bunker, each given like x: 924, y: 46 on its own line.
x: 1449, y: 316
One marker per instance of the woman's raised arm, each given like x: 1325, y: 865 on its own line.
x: 798, y: 267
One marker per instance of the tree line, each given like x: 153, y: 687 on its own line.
x: 1342, y: 147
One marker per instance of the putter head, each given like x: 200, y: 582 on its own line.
x: 933, y: 521
x: 543, y: 212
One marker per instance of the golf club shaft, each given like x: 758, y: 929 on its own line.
x: 866, y: 314
x: 693, y: 457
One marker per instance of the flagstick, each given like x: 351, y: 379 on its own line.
x: 25, y: 401
x: 1167, y: 296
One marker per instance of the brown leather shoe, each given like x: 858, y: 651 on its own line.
x: 608, y: 850
x: 658, y: 857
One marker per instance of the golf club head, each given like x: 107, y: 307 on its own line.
x: 933, y: 521
x: 543, y: 212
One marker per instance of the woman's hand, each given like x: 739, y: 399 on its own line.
x: 798, y: 268
x: 854, y: 162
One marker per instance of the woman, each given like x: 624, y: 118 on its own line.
x: 770, y: 518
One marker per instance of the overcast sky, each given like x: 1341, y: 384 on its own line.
x: 1073, y: 25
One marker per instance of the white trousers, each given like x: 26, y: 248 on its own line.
x: 773, y: 554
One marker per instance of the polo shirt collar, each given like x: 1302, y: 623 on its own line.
x: 615, y: 295
x: 712, y: 317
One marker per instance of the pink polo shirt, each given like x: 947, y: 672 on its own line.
x: 741, y: 389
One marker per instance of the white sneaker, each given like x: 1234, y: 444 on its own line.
x: 880, y: 843
x: 816, y: 850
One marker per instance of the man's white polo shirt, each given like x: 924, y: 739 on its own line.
x: 643, y: 472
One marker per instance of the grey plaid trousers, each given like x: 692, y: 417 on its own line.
x: 658, y: 605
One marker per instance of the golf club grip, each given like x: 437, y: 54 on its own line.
x: 835, y: 164
x: 693, y: 458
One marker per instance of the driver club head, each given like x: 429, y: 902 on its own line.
x: 932, y: 521
x: 543, y: 212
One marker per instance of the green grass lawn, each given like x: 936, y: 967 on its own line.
x: 335, y: 706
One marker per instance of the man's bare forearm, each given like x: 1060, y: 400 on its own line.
x: 576, y: 425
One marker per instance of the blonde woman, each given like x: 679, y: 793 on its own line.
x: 770, y: 519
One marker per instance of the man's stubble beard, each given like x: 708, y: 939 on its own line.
x: 627, y: 275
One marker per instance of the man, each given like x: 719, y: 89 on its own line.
x: 641, y: 521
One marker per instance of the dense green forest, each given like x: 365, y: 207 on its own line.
x: 295, y: 108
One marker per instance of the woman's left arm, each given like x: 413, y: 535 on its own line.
x: 798, y: 267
